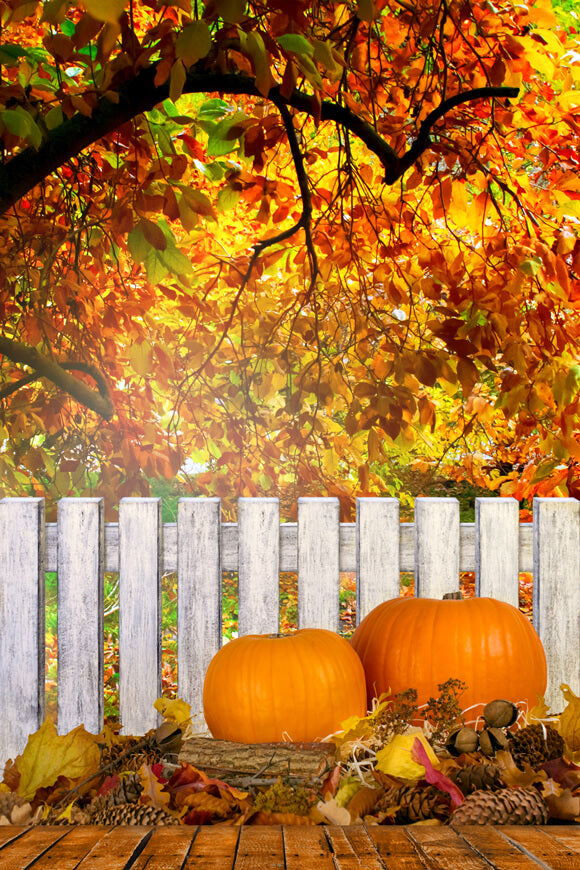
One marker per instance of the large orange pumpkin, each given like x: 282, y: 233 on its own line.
x: 267, y: 688
x: 422, y: 642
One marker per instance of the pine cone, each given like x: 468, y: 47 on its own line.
x: 475, y: 776
x: 133, y: 814
x: 415, y: 803
x: 126, y: 792
x: 508, y: 806
x: 535, y: 744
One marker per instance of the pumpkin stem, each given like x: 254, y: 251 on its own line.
x: 458, y: 595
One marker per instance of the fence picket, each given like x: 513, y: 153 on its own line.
x: 199, y: 596
x: 557, y: 590
x: 140, y: 552
x: 80, y: 613
x: 436, y: 546
x: 259, y: 566
x: 378, y: 562
x: 318, y: 563
x: 496, y: 549
x: 22, y: 622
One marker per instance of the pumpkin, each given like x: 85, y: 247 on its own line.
x: 268, y: 688
x: 420, y: 643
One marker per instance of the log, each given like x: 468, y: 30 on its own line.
x: 224, y: 759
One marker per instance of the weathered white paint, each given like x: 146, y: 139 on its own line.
x: 436, y: 546
x: 140, y: 548
x: 22, y: 585
x: 496, y: 549
x: 318, y: 563
x: 289, y: 547
x: 259, y: 566
x: 80, y: 614
x: 199, y: 546
x: 199, y: 594
x: 557, y: 590
x: 378, y: 562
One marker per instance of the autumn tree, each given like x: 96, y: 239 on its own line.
x: 284, y: 239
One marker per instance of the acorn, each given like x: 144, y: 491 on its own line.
x: 500, y: 714
x: 492, y: 739
x: 462, y: 740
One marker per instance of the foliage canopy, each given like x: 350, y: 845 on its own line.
x: 285, y: 239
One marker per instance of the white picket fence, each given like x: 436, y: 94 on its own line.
x: 81, y: 547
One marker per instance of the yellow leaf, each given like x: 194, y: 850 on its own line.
x: 395, y: 759
x: 152, y: 792
x: 174, y: 710
x: 570, y: 721
x: 193, y: 43
x: 141, y: 357
x: 47, y: 756
x: 105, y: 10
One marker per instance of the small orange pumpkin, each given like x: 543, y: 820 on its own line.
x: 420, y: 643
x: 267, y: 688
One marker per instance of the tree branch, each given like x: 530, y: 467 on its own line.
x: 30, y: 166
x: 100, y: 401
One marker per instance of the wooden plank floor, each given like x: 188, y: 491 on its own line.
x: 419, y: 847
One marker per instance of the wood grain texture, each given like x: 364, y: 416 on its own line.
x: 140, y: 543
x: 496, y: 549
x: 436, y: 546
x: 22, y: 622
x: 80, y: 608
x: 556, y: 593
x: 259, y: 566
x: 495, y: 847
x: 318, y: 563
x: 444, y: 848
x: 223, y: 847
x: 199, y: 602
x: 378, y: 562
x: 214, y: 848
x: 537, y: 843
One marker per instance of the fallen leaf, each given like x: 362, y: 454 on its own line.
x: 570, y: 722
x: 395, y: 758
x: 435, y: 777
x: 48, y: 756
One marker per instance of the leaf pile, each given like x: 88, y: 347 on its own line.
x: 387, y: 771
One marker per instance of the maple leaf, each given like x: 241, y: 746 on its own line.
x: 48, y: 756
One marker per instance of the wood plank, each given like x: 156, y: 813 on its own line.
x: 166, y: 849
x: 80, y: 614
x: 11, y: 832
x: 22, y: 640
x: 496, y: 549
x: 214, y: 848
x: 436, y: 546
x: 260, y: 848
x: 396, y: 848
x: 318, y: 563
x: 492, y: 845
x: 557, y: 591
x: 377, y: 524
x: 199, y: 598
x: 117, y: 848
x: 307, y: 848
x: 445, y: 849
x: 20, y: 854
x: 68, y: 852
x: 259, y: 566
x: 140, y: 534
x: 537, y: 843
x: 353, y: 848
x: 568, y: 835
